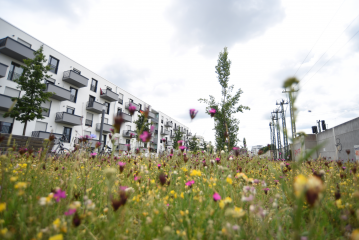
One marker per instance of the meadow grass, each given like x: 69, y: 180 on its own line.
x: 175, y: 196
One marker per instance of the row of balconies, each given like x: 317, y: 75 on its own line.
x: 170, y: 124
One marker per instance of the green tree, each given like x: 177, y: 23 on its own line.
x: 193, y: 144
x: 224, y: 119
x: 178, y: 136
x: 244, y: 143
x: 204, y: 145
x: 142, y: 124
x: 28, y: 107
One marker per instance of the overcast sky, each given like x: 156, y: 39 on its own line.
x: 165, y: 53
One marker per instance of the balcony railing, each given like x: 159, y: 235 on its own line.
x: 94, y: 106
x: 129, y: 133
x: 75, y: 79
x: 60, y: 93
x: 169, y: 124
x: 122, y: 147
x: 46, y: 135
x: 133, y: 104
x: 5, y: 102
x: 3, y: 69
x: 15, y: 49
x: 165, y: 132
x: 67, y: 118
x: 169, y: 143
x: 88, y: 122
x: 189, y: 134
x: 106, y: 127
x: 109, y: 95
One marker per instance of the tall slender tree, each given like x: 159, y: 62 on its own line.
x: 28, y: 107
x: 226, y: 125
x: 193, y: 144
x: 178, y: 136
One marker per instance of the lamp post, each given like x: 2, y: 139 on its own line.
x: 101, y: 126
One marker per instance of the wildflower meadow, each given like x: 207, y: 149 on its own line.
x: 179, y: 195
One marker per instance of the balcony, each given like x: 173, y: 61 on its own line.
x: 168, y: 124
x: 151, y: 115
x: 106, y: 127
x: 154, y: 140
x: 15, y: 50
x: 183, y: 130
x: 94, y: 106
x: 108, y: 95
x: 5, y: 102
x: 122, y: 147
x: 169, y: 143
x: 133, y: 104
x: 129, y: 133
x: 165, y: 132
x: 46, y: 135
x: 172, y: 135
x: 3, y: 69
x: 69, y: 119
x: 60, y: 93
x: 75, y: 79
x: 189, y: 134
x: 126, y: 117
x: 154, y: 120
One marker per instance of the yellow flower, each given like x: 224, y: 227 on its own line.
x: 229, y: 180
x: 39, y: 235
x: 355, y: 235
x: 300, y: 183
x: 145, y: 214
x: 182, y: 213
x: 56, y: 223
x: 20, y: 185
x: 2, y: 207
x: 238, y: 212
x: 195, y: 173
x: 339, y: 204
x: 227, y: 200
x: 57, y: 237
x: 182, y: 195
x: 13, y: 179
x: 3, y: 231
x: 221, y: 204
x: 184, y: 169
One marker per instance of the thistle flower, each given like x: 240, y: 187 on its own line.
x: 145, y: 136
x: 76, y: 220
x: 266, y: 190
x: 212, y: 112
x: 192, y: 113
x: 128, y: 147
x: 70, y: 212
x: 180, y: 142
x: 163, y: 178
x: 117, y: 122
x: 190, y: 183
x: 122, y: 166
x: 216, y: 197
x: 182, y: 148
x: 97, y: 145
x: 132, y: 109
x: 93, y: 155
x: 236, y: 151
x: 51, y: 137
x: 59, y: 194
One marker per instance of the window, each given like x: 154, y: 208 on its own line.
x: 76, y: 71
x: 120, y: 98
x: 73, y: 94
x: 88, y: 133
x: 128, y: 141
x: 70, y: 110
x: 131, y: 100
x: 24, y: 43
x: 15, y: 72
x: 67, y: 133
x: 91, y: 98
x: 54, y: 64
x: 107, y: 105
x: 93, y: 86
x: 140, y: 106
x: 46, y: 108
x: 40, y: 126
x: 128, y: 128
x: 119, y: 111
x: 5, y: 127
x: 175, y: 126
x: 162, y: 119
x: 88, y: 121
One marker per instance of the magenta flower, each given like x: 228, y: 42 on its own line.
x: 131, y: 109
x: 266, y: 190
x: 216, y: 197
x: 93, y: 155
x: 180, y: 142
x: 159, y: 166
x: 218, y: 159
x: 190, y: 183
x: 136, y: 178
x: 59, y: 194
x: 182, y: 148
x: 152, y: 129
x: 98, y: 144
x: 192, y: 113
x: 70, y: 212
x: 212, y: 112
x: 123, y: 188
x: 145, y: 136
x: 128, y: 147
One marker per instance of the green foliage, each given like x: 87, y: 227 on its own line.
x: 142, y: 124
x: 178, y: 136
x: 193, y: 144
x: 28, y: 107
x: 227, y: 107
x: 244, y: 143
x: 266, y: 148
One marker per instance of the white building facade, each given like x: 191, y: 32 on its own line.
x: 80, y: 96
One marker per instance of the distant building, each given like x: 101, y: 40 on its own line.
x: 256, y: 148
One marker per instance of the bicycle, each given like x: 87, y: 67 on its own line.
x: 106, y: 151
x: 60, y: 150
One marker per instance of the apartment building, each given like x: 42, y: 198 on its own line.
x: 80, y: 95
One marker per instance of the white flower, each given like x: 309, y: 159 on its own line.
x: 225, y: 146
x: 130, y: 190
x: 175, y: 172
x: 222, y: 151
x: 230, y: 158
x: 42, y: 201
x: 89, y: 204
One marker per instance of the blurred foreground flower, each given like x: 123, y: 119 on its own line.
x: 192, y: 113
x: 212, y: 112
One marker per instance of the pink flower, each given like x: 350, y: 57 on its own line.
x: 136, y: 178
x: 70, y: 212
x: 190, y: 183
x: 123, y: 188
x: 145, y: 136
x: 159, y: 166
x: 212, y: 112
x: 98, y: 144
x: 59, y: 194
x: 182, y: 148
x: 192, y: 113
x: 180, y: 142
x: 216, y: 197
x: 93, y: 155
x: 132, y: 109
x: 122, y: 164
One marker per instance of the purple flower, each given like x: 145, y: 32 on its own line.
x: 180, y: 142
x: 190, y: 183
x: 131, y: 109
x: 93, y: 155
x: 59, y: 194
x: 70, y: 212
x: 145, y: 136
x: 192, y: 113
x: 93, y: 135
x: 182, y: 148
x: 216, y: 197
x: 212, y: 112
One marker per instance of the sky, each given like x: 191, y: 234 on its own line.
x: 165, y: 52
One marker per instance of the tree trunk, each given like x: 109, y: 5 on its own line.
x: 24, y: 131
